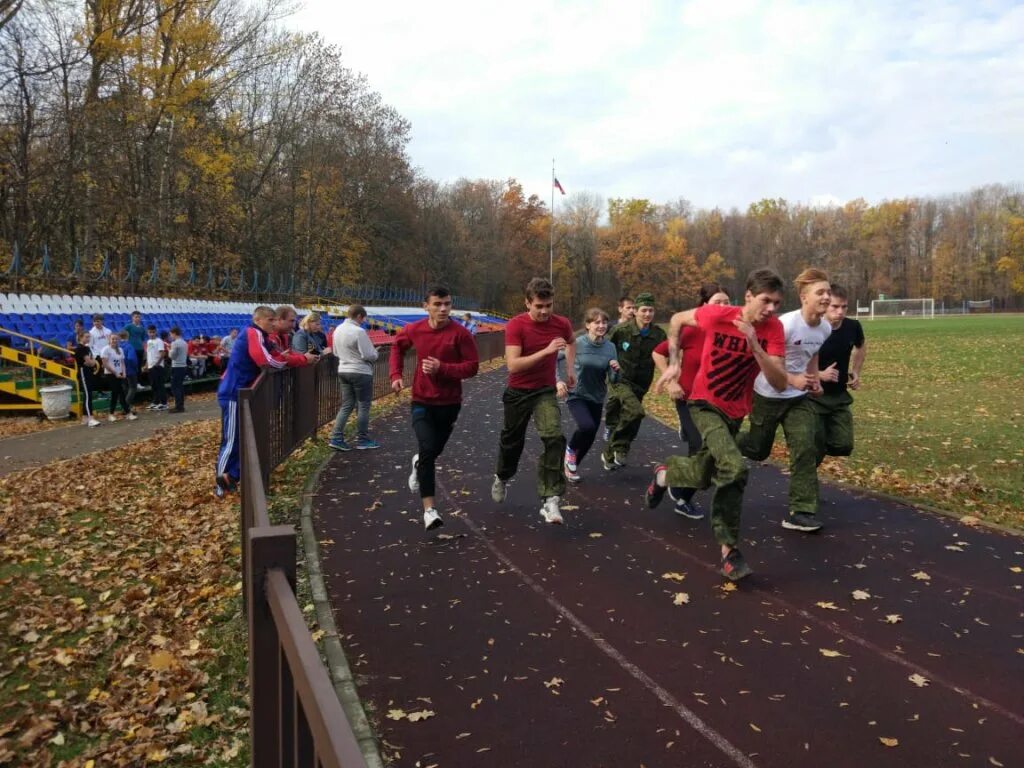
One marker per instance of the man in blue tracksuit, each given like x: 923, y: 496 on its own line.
x: 251, y: 353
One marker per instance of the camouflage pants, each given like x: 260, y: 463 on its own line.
x: 624, y: 412
x: 835, y: 424
x: 718, y: 463
x: 800, y: 425
x: 542, y: 405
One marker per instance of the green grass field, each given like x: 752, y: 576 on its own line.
x: 940, y: 415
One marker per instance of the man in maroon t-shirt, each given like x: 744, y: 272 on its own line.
x: 739, y: 342
x: 445, y: 355
x: 532, y: 343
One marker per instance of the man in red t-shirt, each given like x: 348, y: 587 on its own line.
x: 739, y: 343
x: 691, y: 346
x: 445, y: 355
x: 532, y: 343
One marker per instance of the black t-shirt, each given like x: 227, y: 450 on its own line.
x: 81, y: 352
x: 837, y: 349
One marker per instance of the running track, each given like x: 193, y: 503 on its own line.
x: 538, y: 645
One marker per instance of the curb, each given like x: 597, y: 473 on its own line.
x: 337, y: 662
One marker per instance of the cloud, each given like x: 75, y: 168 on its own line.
x: 722, y: 103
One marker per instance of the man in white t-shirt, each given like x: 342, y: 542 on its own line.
x: 99, y: 336
x: 115, y: 376
x: 156, y: 354
x: 805, y: 332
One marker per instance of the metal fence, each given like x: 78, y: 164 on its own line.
x: 296, y: 718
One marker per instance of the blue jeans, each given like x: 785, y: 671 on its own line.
x: 356, y: 392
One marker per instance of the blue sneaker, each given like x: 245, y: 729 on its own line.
x: 339, y: 445
x: 366, y: 445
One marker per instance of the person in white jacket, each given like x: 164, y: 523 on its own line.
x: 356, y: 354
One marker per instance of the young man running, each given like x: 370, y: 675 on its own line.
x: 739, y: 343
x: 634, y: 342
x: 251, y: 353
x: 691, y: 345
x: 627, y: 312
x: 805, y: 331
x: 445, y: 355
x: 839, y: 361
x: 532, y: 342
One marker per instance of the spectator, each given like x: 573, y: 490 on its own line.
x: 243, y: 367
x: 131, y: 370
x: 72, y: 341
x: 99, y: 336
x: 211, y: 347
x: 228, y: 342
x: 136, y: 336
x: 197, y: 357
x: 470, y: 323
x: 87, y: 376
x: 310, y: 337
x: 156, y: 357
x: 114, y: 371
x: 284, y: 326
x: 178, y: 354
x: 355, y: 353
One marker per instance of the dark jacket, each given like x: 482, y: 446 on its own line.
x: 634, y: 353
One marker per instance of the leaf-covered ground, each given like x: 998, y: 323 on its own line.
x: 122, y: 642
x: 940, y: 416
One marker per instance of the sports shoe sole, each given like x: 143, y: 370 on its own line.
x: 552, y: 519
x: 335, y: 447
x: 434, y: 524
x: 695, y: 515
x: 737, y: 573
x: 790, y: 525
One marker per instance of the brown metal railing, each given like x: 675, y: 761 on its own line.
x: 296, y: 717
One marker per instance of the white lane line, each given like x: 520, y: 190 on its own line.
x: 666, y: 698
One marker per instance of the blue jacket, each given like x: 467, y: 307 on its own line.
x: 250, y: 353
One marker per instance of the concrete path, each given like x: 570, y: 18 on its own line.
x: 39, y: 448
x: 537, y: 645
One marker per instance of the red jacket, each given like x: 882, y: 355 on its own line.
x: 452, y: 344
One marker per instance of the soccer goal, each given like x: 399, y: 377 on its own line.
x: 903, y: 308
x: 979, y: 306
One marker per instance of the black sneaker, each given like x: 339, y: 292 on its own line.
x: 800, y: 521
x: 734, y: 567
x: 655, y: 493
x: 689, y: 509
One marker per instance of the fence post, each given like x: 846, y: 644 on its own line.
x: 269, y: 547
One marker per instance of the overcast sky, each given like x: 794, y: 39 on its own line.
x: 722, y: 102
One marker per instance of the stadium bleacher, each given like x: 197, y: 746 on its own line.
x: 51, y: 317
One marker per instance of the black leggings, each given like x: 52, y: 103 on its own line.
x: 587, y: 415
x: 687, y: 429
x: 433, y: 425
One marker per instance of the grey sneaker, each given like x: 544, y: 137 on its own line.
x: 499, y: 489
x: 800, y: 521
x: 431, y: 519
x: 414, y: 483
x: 610, y: 466
x: 550, y: 512
x: 620, y: 460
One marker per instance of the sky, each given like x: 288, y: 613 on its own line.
x: 721, y: 102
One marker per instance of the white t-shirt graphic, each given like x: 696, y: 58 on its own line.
x: 114, y: 358
x: 802, y: 343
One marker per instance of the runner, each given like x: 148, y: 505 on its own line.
x: 627, y: 311
x: 805, y: 332
x: 838, y: 372
x: 532, y: 342
x: 595, y: 365
x: 634, y: 342
x: 738, y: 342
x: 445, y: 355
x: 250, y: 353
x: 691, y: 344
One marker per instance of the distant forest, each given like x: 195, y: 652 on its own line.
x: 144, y: 143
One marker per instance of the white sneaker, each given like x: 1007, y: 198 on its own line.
x: 152, y: 407
x: 91, y: 423
x: 131, y: 417
x: 550, y: 512
x: 111, y: 417
x: 499, y: 489
x: 431, y: 519
x: 414, y: 483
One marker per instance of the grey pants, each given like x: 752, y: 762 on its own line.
x: 356, y: 392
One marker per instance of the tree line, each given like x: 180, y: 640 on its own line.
x: 200, y: 137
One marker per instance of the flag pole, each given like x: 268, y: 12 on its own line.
x: 551, y: 251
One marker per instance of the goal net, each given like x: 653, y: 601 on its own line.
x: 903, y: 308
x: 979, y: 306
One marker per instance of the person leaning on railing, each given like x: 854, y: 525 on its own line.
x: 249, y: 355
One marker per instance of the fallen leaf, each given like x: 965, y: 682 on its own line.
x: 921, y: 576
x: 1015, y: 568
x: 889, y: 742
x: 160, y: 660
x: 827, y: 606
x: 681, y: 598
x: 396, y: 714
x: 754, y: 728
x: 919, y: 680
x: 728, y: 586
x: 554, y: 682
x: 673, y: 576
x: 893, y: 618
x: 861, y: 594
x: 423, y: 714
x: 828, y: 652
x: 595, y: 535
x: 970, y: 520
